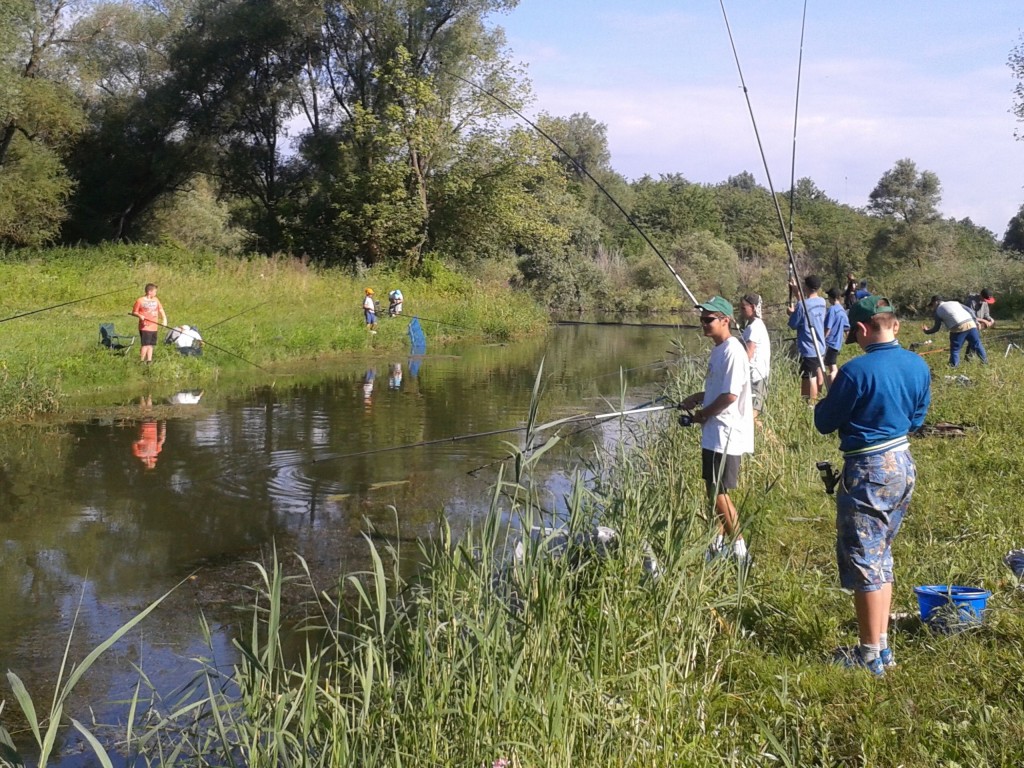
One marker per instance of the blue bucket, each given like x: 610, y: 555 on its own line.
x: 946, y: 606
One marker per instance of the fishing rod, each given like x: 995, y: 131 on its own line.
x: 625, y: 325
x: 818, y: 343
x: 579, y: 166
x: 791, y: 276
x: 62, y: 304
x: 638, y: 409
x: 250, y: 309
x: 450, y: 325
x: 796, y: 114
x: 206, y: 343
x: 490, y: 433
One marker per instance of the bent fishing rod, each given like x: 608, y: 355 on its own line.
x: 62, y: 304
x: 206, y: 343
x: 580, y: 167
x: 819, y: 344
x: 490, y: 433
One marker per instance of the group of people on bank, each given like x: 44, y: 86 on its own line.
x: 873, y: 402
x: 150, y: 312
x: 395, y: 301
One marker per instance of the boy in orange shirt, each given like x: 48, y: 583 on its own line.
x: 148, y: 308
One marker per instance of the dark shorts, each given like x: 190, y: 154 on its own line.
x: 831, y: 357
x: 718, y: 473
x: 758, y: 390
x: 871, y: 501
x: 809, y: 367
x: 147, y: 338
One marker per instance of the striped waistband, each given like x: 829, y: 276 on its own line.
x: 897, y: 443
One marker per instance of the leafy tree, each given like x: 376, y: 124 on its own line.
x: 972, y: 241
x: 39, y: 115
x: 909, y: 201
x: 744, y: 180
x: 1013, y: 240
x: 145, y: 144
x: 750, y: 222
x: 906, y: 195
x: 672, y: 206
x: 400, y: 68
x: 1016, y: 64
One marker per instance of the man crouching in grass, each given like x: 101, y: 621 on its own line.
x: 877, y: 399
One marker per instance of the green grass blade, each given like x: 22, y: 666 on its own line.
x: 97, y: 748
x: 25, y: 702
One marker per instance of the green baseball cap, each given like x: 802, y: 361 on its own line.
x: 864, y: 310
x: 717, y: 304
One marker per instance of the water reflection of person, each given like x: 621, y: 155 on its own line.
x: 371, y: 373
x: 150, y: 442
x: 395, y: 379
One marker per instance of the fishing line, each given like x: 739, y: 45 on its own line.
x: 450, y: 325
x: 250, y: 309
x: 585, y: 172
x: 63, y: 304
x: 818, y: 343
x: 206, y: 343
x: 490, y: 433
x: 639, y: 409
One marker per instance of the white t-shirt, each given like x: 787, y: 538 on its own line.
x: 761, y: 362
x: 368, y: 304
x: 952, y: 313
x: 732, y: 431
x: 187, y: 337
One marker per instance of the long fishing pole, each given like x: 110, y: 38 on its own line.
x: 490, y: 433
x: 62, y: 304
x: 250, y: 309
x: 206, y: 343
x: 579, y: 166
x: 796, y: 121
x: 818, y: 343
x: 791, y: 273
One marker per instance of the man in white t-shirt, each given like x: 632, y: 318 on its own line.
x: 759, y: 350
x: 726, y: 418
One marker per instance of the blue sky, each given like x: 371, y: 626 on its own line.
x: 881, y: 81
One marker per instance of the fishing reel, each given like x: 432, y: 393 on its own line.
x: 830, y: 477
x: 686, y: 419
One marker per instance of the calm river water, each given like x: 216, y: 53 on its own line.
x: 101, y: 516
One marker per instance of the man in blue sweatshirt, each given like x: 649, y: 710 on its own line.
x: 810, y: 336
x: 877, y: 399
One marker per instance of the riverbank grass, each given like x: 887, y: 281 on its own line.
x: 260, y: 317
x: 585, y: 660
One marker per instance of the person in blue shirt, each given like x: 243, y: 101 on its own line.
x: 810, y: 337
x: 877, y: 400
x: 836, y: 327
x: 862, y: 291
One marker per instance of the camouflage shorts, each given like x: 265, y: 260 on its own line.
x: 871, y: 501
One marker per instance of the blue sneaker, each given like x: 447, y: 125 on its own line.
x: 851, y: 659
x: 888, y: 660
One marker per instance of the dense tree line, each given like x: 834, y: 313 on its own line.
x: 349, y: 133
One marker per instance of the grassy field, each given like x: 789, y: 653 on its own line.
x: 584, y: 660
x: 292, y: 313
